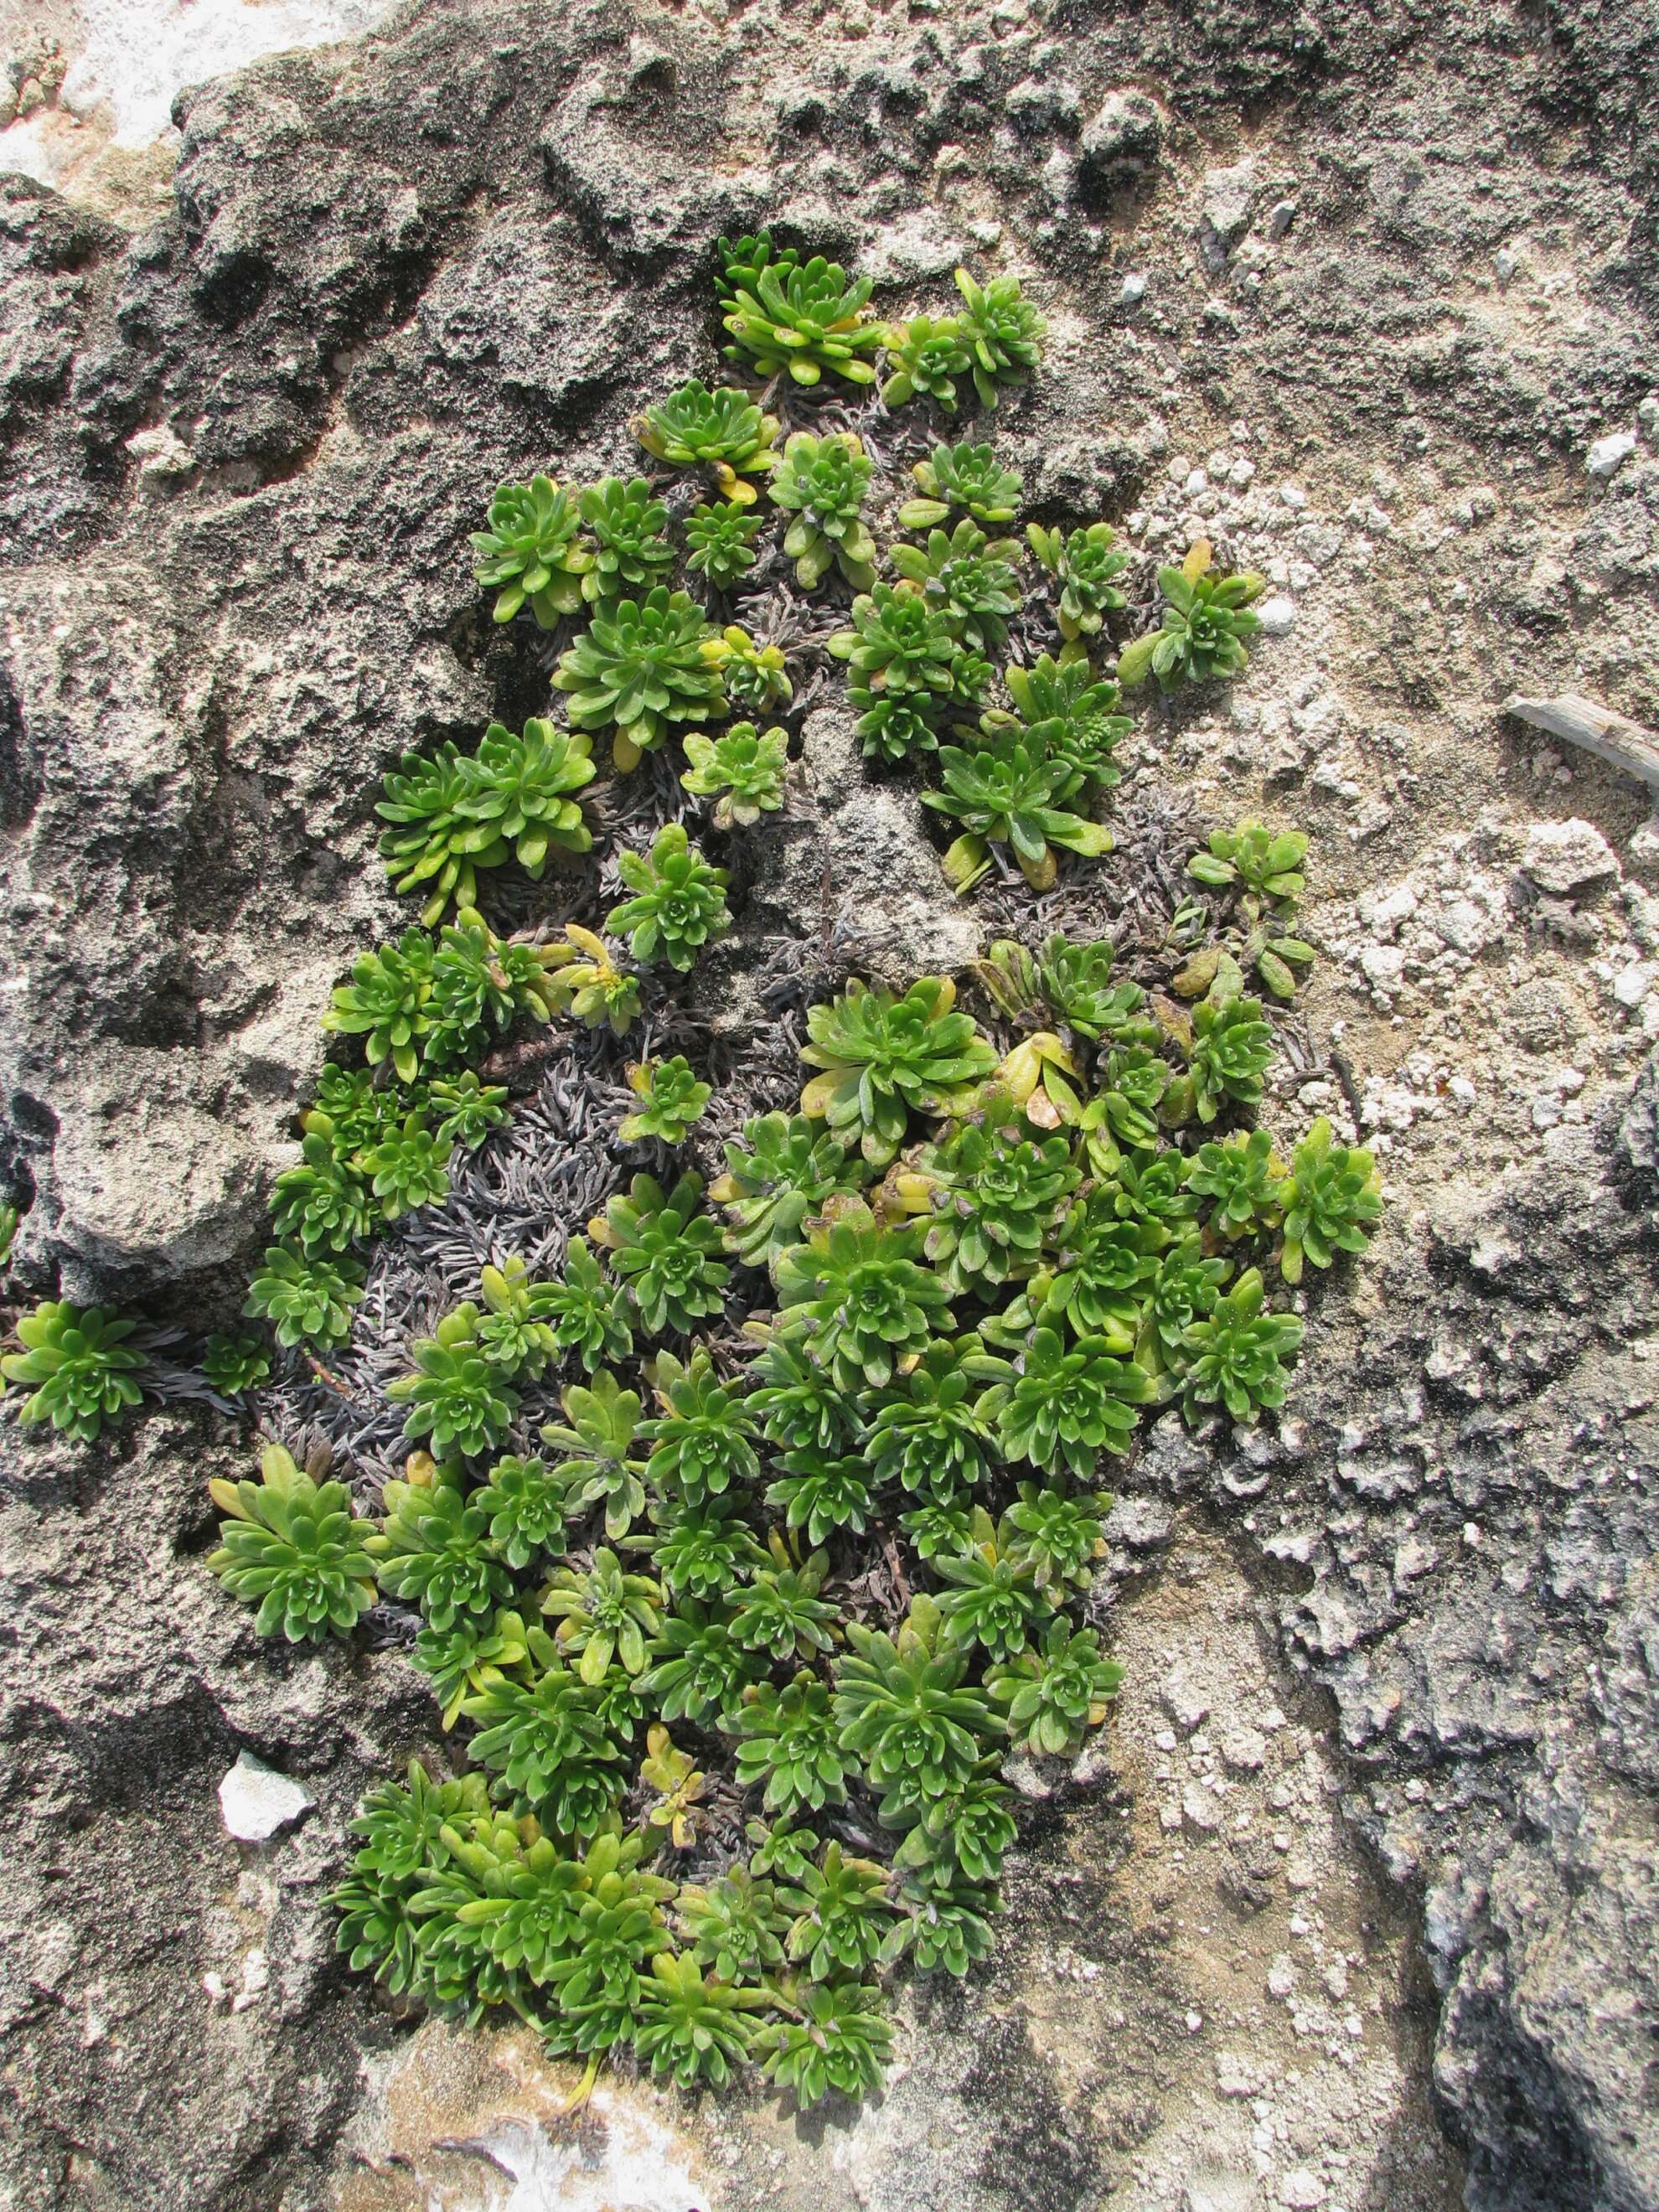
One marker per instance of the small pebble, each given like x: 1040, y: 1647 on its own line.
x: 1606, y: 455
x: 1277, y: 617
x: 257, y: 1802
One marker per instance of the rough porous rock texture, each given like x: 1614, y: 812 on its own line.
x: 1356, y: 292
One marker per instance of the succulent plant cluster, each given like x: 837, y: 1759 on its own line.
x: 722, y: 431
x: 742, y: 770
x: 1022, y: 784
x: 671, y: 1100
x: 822, y: 486
x: 979, y: 1273
x: 293, y: 1545
x: 994, y: 339
x: 738, y: 1627
x: 450, y: 814
x: 678, y: 903
x: 379, y: 1140
x: 1206, y: 619
x: 1020, y: 787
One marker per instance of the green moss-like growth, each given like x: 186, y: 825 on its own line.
x: 670, y: 1098
x: 927, y: 357
x: 722, y: 431
x: 307, y: 1300
x: 1014, y: 794
x: 721, y: 541
x: 532, y: 553
x: 1003, y: 330
x: 794, y: 318
x: 884, y: 1057
x: 742, y: 770
x: 967, y: 476
x: 450, y: 813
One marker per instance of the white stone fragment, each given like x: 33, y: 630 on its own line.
x: 257, y: 1801
x: 1278, y: 616
x: 1605, y: 455
x: 255, y: 1980
x: 1383, y: 966
x: 1234, y: 2075
x: 1185, y: 1704
x: 1230, y: 201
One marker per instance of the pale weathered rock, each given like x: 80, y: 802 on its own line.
x: 1122, y: 137
x: 865, y: 868
x: 1230, y: 198
x: 1564, y: 857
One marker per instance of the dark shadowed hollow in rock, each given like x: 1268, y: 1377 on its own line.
x: 1354, y: 1906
